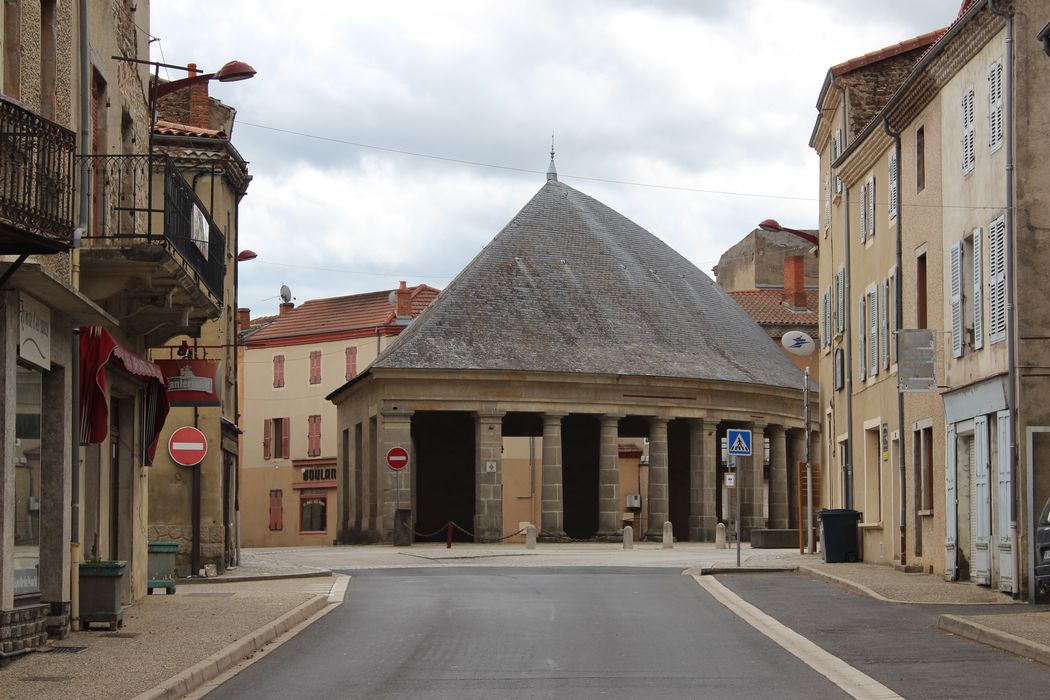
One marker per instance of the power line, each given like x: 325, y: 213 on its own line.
x: 393, y: 273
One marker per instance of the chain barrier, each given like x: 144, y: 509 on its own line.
x: 448, y: 526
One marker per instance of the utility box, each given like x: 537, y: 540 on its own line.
x: 634, y: 501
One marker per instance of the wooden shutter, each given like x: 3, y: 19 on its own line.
x: 873, y: 329
x: 951, y: 523
x: 285, y: 438
x: 967, y: 137
x: 884, y: 318
x: 955, y: 284
x: 995, y: 107
x: 863, y: 212
x: 278, y: 371
x: 978, y: 291
x: 982, y: 502
x: 267, y: 438
x: 351, y: 363
x: 871, y: 207
x: 862, y: 332
x: 1003, y: 495
x: 313, y: 436
x: 840, y: 321
x: 276, y: 509
x: 893, y: 186
x: 315, y: 366
x: 997, y: 280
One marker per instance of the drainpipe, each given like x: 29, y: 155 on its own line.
x: 897, y: 326
x: 847, y: 465
x: 1011, y: 335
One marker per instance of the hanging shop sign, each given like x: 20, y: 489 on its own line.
x: 192, y: 382
x: 34, y: 332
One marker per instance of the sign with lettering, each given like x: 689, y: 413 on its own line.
x: 192, y: 382
x: 34, y: 332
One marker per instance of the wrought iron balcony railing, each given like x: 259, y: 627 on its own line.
x: 144, y: 199
x: 37, y: 180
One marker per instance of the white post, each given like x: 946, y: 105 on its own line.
x: 720, y: 536
x: 737, y: 485
x: 530, y: 536
x: 628, y: 537
x: 668, y: 535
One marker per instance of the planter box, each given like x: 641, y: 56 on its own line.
x: 101, y: 584
x: 162, y: 565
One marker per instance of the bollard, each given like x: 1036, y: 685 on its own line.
x: 628, y: 537
x: 720, y: 536
x: 530, y: 536
x: 448, y: 543
x: 668, y: 535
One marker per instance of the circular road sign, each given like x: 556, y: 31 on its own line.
x: 187, y: 446
x: 397, y: 458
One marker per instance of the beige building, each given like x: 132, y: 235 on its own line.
x: 919, y: 235
x: 289, y: 442
x: 517, y: 393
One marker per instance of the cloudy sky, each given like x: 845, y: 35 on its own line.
x: 391, y: 141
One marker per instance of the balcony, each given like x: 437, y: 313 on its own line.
x: 153, y: 256
x: 37, y: 182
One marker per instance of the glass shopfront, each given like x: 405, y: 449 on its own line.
x: 27, y: 482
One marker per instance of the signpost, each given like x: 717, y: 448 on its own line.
x: 187, y: 446
x: 739, y: 446
x: 397, y: 459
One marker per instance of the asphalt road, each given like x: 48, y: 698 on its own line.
x: 528, y: 633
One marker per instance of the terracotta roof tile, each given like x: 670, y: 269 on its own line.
x: 922, y: 41
x: 767, y: 306
x: 167, y: 128
x: 339, y: 314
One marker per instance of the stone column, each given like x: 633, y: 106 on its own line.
x: 395, y: 430
x: 488, y: 476
x: 658, y: 497
x: 56, y: 475
x: 703, y: 475
x: 751, y: 474
x: 9, y: 377
x: 552, y: 525
x: 778, y: 482
x: 610, y: 509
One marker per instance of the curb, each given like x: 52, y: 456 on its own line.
x: 199, y: 674
x: 998, y: 639
x: 851, y: 586
x: 244, y: 579
x: 719, y: 570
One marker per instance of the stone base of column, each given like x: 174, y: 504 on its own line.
x: 556, y: 536
x: 606, y: 536
x: 654, y: 535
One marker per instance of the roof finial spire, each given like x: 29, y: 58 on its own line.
x: 552, y: 172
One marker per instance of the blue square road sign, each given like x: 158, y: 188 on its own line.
x: 739, y: 442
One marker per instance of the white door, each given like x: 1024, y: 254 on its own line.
x: 951, y: 567
x: 1002, y: 525
x: 981, y: 515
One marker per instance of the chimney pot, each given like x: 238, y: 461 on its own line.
x: 403, y: 301
x: 795, y: 281
x: 244, y: 319
x: 198, y: 100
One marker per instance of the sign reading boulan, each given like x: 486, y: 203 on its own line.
x: 397, y: 458
x: 187, y: 446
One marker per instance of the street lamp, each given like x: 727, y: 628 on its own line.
x: 773, y: 226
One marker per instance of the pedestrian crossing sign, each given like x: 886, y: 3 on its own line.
x: 740, y: 443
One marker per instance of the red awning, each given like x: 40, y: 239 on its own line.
x: 99, y: 348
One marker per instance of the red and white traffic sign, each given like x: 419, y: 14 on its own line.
x: 397, y: 458
x: 187, y: 446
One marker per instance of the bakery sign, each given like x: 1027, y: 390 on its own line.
x: 192, y: 382
x: 34, y: 332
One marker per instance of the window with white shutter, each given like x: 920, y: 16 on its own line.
x: 884, y: 319
x: 864, y: 212
x: 893, y: 185
x: 873, y: 329
x: 978, y: 291
x: 823, y: 317
x: 997, y: 280
x: 968, y: 155
x: 862, y: 333
x: 995, y: 106
x: 955, y: 285
x: 871, y: 207
x: 836, y: 151
x: 840, y: 319
x: 894, y: 292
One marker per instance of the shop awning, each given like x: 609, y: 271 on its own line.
x: 98, y: 348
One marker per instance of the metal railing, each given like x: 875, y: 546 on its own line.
x: 37, y: 173
x: 138, y: 198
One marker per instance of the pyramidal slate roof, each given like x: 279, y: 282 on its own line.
x: 569, y: 285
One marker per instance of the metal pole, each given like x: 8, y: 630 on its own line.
x: 737, y: 485
x: 809, y: 470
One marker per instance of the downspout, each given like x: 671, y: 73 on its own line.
x: 897, y: 326
x: 1011, y: 335
x: 847, y: 302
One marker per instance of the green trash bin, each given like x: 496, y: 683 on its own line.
x: 101, y: 586
x: 162, y: 565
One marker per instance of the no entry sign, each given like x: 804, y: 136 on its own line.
x: 187, y: 446
x: 397, y: 458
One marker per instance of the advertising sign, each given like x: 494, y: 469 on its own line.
x: 192, y: 382
x: 34, y: 332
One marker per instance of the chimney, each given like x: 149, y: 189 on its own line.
x: 198, y: 100
x: 403, y: 301
x: 244, y: 319
x: 286, y: 307
x: 795, y: 281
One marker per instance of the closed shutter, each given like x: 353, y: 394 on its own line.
x: 997, y: 280
x: 995, y: 107
x: 836, y: 151
x: 840, y: 320
x: 267, y: 438
x: 893, y: 313
x: 313, y: 436
x: 315, y: 367
x: 978, y: 291
x: 968, y: 136
x: 871, y: 207
x: 351, y: 363
x: 286, y: 425
x: 863, y: 212
x: 951, y: 523
x: 873, y: 329
x: 1003, y: 495
x: 982, y: 501
x: 893, y: 185
x: 278, y: 371
x: 955, y: 272
x: 827, y: 203
x: 862, y: 331
x: 823, y: 318
x: 884, y: 317
x: 277, y: 510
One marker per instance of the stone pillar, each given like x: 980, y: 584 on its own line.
x: 796, y: 464
x: 778, y: 482
x: 751, y: 473
x: 488, y: 476
x: 552, y: 525
x: 658, y: 497
x: 9, y: 377
x: 56, y: 475
x: 395, y: 430
x: 609, y: 507
x: 702, y: 480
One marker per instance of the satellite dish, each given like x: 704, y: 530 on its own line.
x: 286, y: 294
x: 798, y: 343
x: 392, y: 298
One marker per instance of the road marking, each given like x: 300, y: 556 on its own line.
x: 857, y: 684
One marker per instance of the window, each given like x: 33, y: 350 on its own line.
x: 276, y: 510
x: 313, y: 448
x: 351, y: 363
x: 922, y: 441
x: 873, y: 329
x: 997, y: 280
x: 840, y: 308
x: 839, y: 380
x: 871, y: 206
x: 920, y: 159
x: 891, y: 303
x: 276, y: 438
x: 862, y: 332
x: 278, y: 371
x: 13, y: 48
x: 863, y: 212
x: 884, y: 327
x: 313, y: 510
x: 48, y: 58
x: 893, y: 186
x: 968, y: 157
x: 315, y: 366
x: 27, y: 485
x: 872, y: 475
x: 995, y: 107
x: 955, y: 276
x: 836, y: 151
x: 977, y: 276
x: 920, y: 291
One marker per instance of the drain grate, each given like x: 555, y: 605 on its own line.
x: 119, y: 635
x: 210, y: 594
x: 65, y: 650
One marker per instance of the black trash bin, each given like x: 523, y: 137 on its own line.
x: 838, y: 534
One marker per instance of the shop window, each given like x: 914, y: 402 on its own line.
x: 27, y: 482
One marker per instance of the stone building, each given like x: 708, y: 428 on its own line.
x: 574, y: 327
